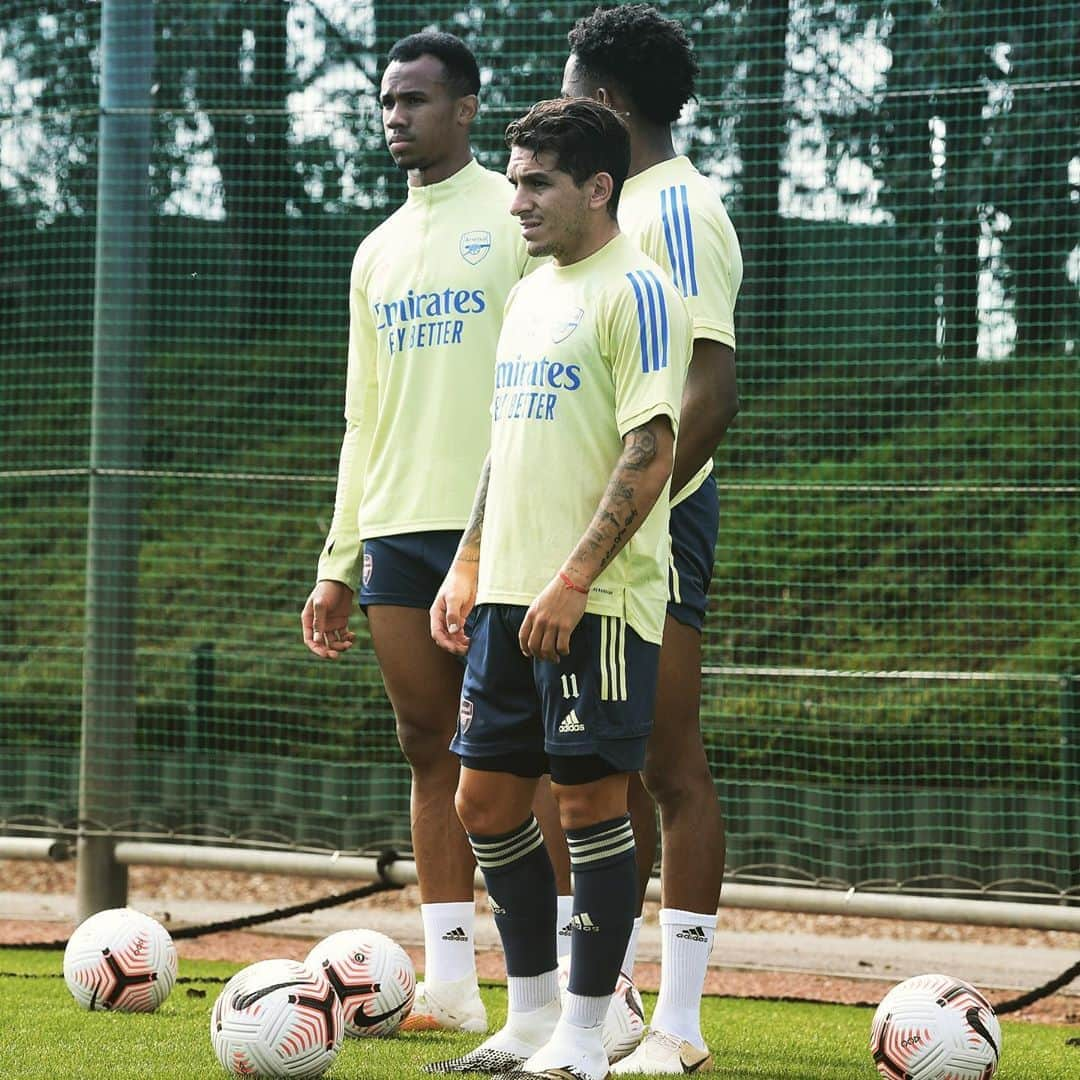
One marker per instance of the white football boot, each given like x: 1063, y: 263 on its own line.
x: 661, y: 1054
x: 448, y: 1006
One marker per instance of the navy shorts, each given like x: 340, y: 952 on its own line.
x: 406, y: 570
x: 597, y: 702
x: 694, y: 527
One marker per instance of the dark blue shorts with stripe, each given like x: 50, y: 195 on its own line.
x: 694, y: 527
x: 598, y: 701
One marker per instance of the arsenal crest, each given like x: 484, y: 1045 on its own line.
x: 563, y: 328
x: 475, y: 245
x: 465, y: 715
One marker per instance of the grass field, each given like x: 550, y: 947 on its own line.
x: 44, y: 1035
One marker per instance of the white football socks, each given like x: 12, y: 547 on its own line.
x: 578, y: 1039
x: 449, y: 955
x: 531, y: 1017
x: 686, y: 942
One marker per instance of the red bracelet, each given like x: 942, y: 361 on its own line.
x: 565, y: 579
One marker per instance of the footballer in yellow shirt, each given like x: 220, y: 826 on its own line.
x: 426, y: 298
x: 565, y: 560
x: 642, y: 64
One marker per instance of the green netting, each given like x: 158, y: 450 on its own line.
x: 896, y: 608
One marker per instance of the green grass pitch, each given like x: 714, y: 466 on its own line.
x: 43, y: 1034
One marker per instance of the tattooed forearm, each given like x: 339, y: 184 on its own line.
x: 639, y: 449
x: 636, y: 482
x: 469, y: 547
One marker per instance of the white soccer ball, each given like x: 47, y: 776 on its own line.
x: 372, y: 976
x: 121, y: 960
x: 935, y: 1027
x: 624, y: 1023
x: 277, y: 1019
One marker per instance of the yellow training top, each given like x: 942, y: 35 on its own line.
x: 427, y: 294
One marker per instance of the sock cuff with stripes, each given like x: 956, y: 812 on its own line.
x: 494, y: 852
x: 600, y: 845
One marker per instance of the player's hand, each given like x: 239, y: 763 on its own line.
x: 453, y: 603
x: 550, y: 620
x: 325, y: 619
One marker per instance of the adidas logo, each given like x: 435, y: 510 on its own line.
x: 565, y: 930
x: 584, y: 923
x: 694, y: 933
x: 457, y: 934
x: 570, y: 724
x: 496, y: 907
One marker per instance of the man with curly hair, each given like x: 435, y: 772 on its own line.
x: 642, y: 64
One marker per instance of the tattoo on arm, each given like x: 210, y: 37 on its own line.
x: 616, y: 517
x: 469, y: 548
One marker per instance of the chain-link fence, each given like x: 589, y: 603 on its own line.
x: 895, y: 615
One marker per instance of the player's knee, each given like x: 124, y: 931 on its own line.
x: 672, y: 784
x: 425, y: 746
x: 477, y: 815
x: 578, y: 807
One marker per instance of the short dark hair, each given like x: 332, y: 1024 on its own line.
x: 646, y: 53
x: 585, y: 137
x: 462, y: 71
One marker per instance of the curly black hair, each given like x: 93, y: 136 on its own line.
x: 646, y: 53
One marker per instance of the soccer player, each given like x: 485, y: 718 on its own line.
x: 642, y: 65
x: 427, y: 292
x: 565, y: 558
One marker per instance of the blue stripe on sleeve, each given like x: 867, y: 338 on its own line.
x: 641, y: 323
x: 680, y: 277
x: 665, y: 217
x: 664, y: 337
x: 654, y: 357
x: 684, y: 199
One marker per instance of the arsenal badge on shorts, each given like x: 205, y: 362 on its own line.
x: 465, y: 715
x: 369, y: 562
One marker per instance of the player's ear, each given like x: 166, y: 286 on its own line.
x: 468, y: 107
x: 613, y: 100
x: 602, y: 188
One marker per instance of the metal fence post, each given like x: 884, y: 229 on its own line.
x: 121, y: 285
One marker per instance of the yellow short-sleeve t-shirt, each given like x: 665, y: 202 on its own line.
x: 587, y: 353
x: 676, y: 216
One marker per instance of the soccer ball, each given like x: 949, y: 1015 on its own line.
x: 121, y: 960
x: 934, y: 1027
x: 624, y: 1023
x: 372, y: 976
x: 277, y: 1018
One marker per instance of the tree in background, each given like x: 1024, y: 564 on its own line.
x: 763, y: 136
x: 1043, y: 136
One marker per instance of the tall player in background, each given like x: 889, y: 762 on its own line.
x: 642, y: 65
x: 426, y: 299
